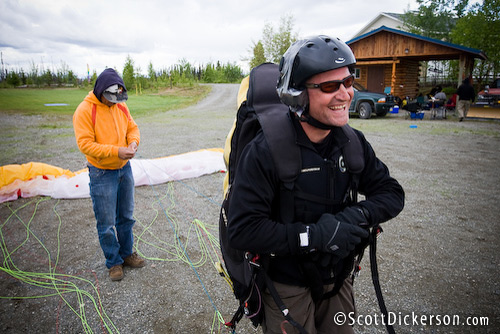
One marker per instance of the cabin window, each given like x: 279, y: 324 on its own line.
x: 357, y: 73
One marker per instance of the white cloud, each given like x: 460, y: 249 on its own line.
x: 102, y: 33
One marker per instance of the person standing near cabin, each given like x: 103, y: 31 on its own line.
x: 108, y: 136
x: 466, y: 95
x: 314, y: 253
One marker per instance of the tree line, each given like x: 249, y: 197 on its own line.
x: 38, y: 76
x: 181, y: 74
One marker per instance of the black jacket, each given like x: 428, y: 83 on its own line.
x: 253, y: 217
x: 466, y: 92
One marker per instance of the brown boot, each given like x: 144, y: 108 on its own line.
x: 116, y: 272
x: 134, y: 261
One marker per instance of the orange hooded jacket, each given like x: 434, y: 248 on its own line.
x: 100, y: 134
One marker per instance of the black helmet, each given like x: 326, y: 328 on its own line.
x: 306, y: 58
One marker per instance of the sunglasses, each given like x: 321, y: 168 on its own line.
x: 332, y: 86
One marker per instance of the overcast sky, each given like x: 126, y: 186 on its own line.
x: 101, y: 33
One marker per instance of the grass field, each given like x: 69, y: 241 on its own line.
x: 33, y: 101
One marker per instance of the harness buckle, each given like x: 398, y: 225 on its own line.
x: 253, y: 259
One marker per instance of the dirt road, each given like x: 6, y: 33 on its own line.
x: 439, y: 257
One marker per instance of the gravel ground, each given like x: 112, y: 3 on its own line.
x: 438, y: 258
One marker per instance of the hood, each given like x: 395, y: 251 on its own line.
x: 107, y: 78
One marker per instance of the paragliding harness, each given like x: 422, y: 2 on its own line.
x: 247, y: 272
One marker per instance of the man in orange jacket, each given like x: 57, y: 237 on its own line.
x: 108, y: 136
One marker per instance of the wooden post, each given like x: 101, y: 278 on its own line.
x: 469, y: 67
x: 393, y: 77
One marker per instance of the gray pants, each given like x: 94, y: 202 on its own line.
x: 316, y: 318
x: 463, y: 107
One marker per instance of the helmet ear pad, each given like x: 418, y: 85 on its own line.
x: 351, y: 68
x: 296, y: 65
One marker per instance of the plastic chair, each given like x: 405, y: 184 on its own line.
x: 452, y: 103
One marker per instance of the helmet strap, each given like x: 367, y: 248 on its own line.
x: 305, y: 117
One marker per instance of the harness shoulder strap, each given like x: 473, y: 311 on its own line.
x: 353, y: 151
x: 275, y: 122
x: 354, y: 159
x: 94, y: 113
x: 124, y: 109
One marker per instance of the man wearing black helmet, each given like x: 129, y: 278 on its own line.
x: 312, y: 255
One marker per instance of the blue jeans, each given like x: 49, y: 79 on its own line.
x: 112, y: 193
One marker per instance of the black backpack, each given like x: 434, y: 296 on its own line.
x: 263, y: 109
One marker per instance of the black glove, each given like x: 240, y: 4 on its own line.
x: 299, y: 233
x: 333, y: 236
x: 355, y: 215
